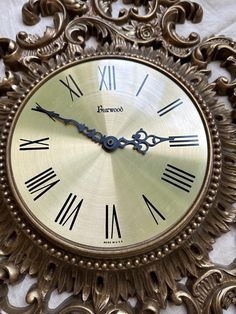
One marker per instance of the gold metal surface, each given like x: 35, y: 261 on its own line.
x: 102, y: 281
x: 121, y: 177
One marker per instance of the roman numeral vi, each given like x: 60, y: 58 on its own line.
x: 112, y: 223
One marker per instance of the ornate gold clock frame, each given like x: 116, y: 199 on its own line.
x: 101, y: 284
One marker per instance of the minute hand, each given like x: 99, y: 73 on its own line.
x: 82, y: 128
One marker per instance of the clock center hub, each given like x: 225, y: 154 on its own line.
x: 111, y: 143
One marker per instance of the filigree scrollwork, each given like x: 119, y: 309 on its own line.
x: 146, y: 31
x: 80, y: 29
x: 7, y: 82
x: 37, y: 301
x: 156, y: 27
x: 220, y: 49
x: 9, y: 52
x: 168, y: 3
x: 73, y: 305
x: 104, y: 9
x: 9, y: 272
x: 31, y: 12
x: 183, y: 297
x: 150, y: 306
x: 76, y: 6
x: 177, y: 45
x: 213, y: 291
x: 32, y: 9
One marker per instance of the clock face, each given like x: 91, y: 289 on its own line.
x: 96, y: 198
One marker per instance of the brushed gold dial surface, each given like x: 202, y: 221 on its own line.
x: 97, y: 198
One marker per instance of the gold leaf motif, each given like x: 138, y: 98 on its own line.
x: 31, y: 12
x: 77, y: 6
x: 104, y: 9
x: 178, y: 13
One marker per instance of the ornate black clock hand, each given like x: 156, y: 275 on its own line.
x: 142, y: 141
x: 109, y: 143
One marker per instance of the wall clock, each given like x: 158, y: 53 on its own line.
x: 117, y: 161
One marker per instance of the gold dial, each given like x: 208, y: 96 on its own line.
x: 109, y: 153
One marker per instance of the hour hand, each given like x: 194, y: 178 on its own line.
x: 141, y: 141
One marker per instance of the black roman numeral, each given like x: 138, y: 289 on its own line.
x: 178, y: 177
x: 108, y: 77
x: 34, y: 144
x: 68, y: 213
x: 153, y: 210
x: 42, y: 183
x: 142, y: 84
x: 186, y: 140
x: 76, y: 91
x: 170, y: 107
x: 110, y: 227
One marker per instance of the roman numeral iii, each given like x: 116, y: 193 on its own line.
x: 112, y: 224
x: 40, y: 144
x: 107, y: 77
x: 179, y: 178
x: 42, y: 183
x: 72, y: 86
x: 153, y: 210
x: 69, y: 211
x: 184, y: 141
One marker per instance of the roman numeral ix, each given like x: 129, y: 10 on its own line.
x: 170, y: 107
x: 42, y: 183
x: 112, y: 223
x: 75, y: 90
x: 68, y: 212
x: 178, y: 178
x: 34, y: 144
x: 108, y: 77
x: 153, y: 210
